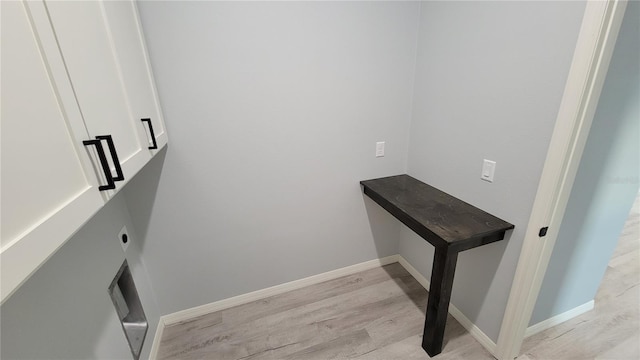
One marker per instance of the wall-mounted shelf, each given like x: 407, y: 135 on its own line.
x: 446, y: 222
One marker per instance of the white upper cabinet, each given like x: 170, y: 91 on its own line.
x: 130, y: 48
x: 48, y: 184
x: 79, y: 118
x: 108, y: 106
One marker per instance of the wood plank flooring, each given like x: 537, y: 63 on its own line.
x: 379, y: 314
x: 375, y: 314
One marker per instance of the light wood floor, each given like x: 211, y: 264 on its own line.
x: 379, y: 314
x: 375, y: 314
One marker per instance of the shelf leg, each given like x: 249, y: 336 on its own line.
x: 442, y: 273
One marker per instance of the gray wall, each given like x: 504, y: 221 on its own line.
x: 273, y: 110
x: 64, y: 310
x: 605, y: 187
x: 489, y: 80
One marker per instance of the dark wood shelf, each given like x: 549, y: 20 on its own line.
x: 435, y: 215
x: 446, y: 222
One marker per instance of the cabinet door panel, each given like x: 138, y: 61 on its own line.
x: 47, y: 184
x: 123, y: 22
x: 87, y: 49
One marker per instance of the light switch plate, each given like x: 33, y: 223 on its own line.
x: 380, y: 149
x: 488, y: 170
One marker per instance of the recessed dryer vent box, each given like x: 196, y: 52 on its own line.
x: 129, y: 309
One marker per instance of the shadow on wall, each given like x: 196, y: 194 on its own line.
x: 385, y: 228
x: 140, y: 195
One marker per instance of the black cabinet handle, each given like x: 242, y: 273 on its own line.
x: 153, y: 135
x: 114, y: 156
x: 105, y: 165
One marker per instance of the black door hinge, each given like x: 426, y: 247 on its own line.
x: 543, y: 231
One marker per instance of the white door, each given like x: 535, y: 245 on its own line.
x: 88, y: 51
x: 48, y: 185
x: 130, y: 48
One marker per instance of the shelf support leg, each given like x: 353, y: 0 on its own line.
x: 442, y: 273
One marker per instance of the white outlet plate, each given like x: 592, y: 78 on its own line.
x: 380, y: 149
x: 125, y: 245
x: 488, y: 170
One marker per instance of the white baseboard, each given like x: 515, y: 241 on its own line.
x: 153, y: 354
x: 185, y: 315
x: 558, y: 319
x: 274, y: 290
x: 189, y: 314
x: 475, y: 331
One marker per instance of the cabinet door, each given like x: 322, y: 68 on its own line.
x: 87, y: 48
x: 130, y: 48
x: 48, y: 184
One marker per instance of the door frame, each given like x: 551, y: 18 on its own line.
x: 594, y: 48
